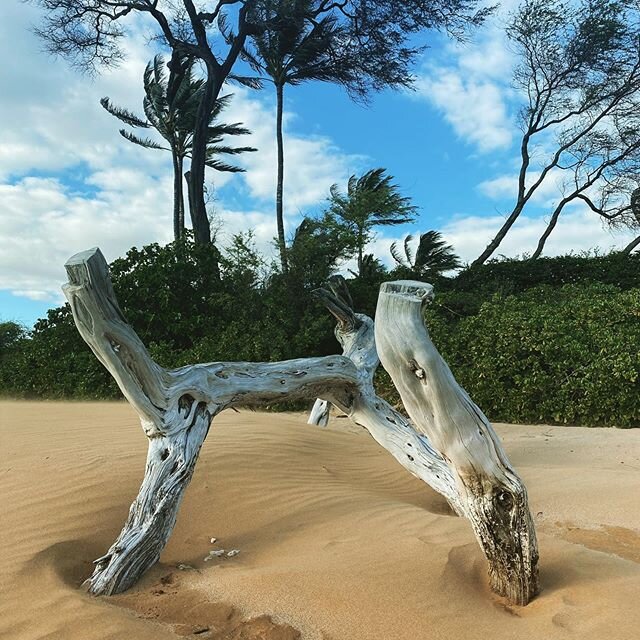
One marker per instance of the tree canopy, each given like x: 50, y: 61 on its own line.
x: 578, y: 72
x: 380, y: 36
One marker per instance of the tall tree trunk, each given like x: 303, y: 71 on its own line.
x: 523, y: 197
x: 190, y: 191
x: 177, y: 195
x: 360, y: 252
x: 197, y: 205
x: 280, y: 181
x: 187, y: 177
x: 181, y: 200
x: 553, y: 221
x: 631, y: 246
x: 499, y: 237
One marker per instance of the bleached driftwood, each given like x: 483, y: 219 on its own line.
x: 479, y: 483
x: 494, y: 498
x: 176, y: 409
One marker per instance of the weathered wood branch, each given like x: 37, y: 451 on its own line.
x: 389, y: 428
x: 494, y: 497
x: 176, y: 408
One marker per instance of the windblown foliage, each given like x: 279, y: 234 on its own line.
x: 552, y: 340
x: 172, y: 112
x: 372, y: 200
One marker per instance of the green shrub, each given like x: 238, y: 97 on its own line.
x: 546, y: 341
x: 511, y: 275
x: 566, y: 354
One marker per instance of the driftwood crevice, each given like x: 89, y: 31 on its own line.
x: 448, y: 443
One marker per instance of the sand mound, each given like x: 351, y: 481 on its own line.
x: 336, y: 540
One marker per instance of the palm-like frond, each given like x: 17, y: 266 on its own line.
x: 407, y: 248
x: 434, y: 254
x: 155, y: 89
x: 219, y: 165
x: 147, y: 143
x: 175, y: 119
x: 397, y: 255
x: 293, y: 47
x: 126, y: 116
x: 372, y: 200
x: 230, y: 151
x: 220, y: 130
x: 251, y: 82
x: 369, y: 268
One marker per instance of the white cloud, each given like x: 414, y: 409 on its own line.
x: 43, y: 224
x: 36, y: 294
x: 475, y: 108
x: 505, y: 186
x: 312, y: 164
x: 577, y: 230
x: 470, y: 87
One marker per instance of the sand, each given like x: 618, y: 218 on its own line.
x: 336, y: 540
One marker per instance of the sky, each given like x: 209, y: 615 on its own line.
x: 69, y: 182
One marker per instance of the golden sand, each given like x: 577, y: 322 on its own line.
x: 336, y: 540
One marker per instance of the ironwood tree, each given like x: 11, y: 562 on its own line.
x: 381, y: 33
x: 579, y: 73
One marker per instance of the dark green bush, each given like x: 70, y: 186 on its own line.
x: 511, y: 275
x: 545, y: 341
x: 566, y: 354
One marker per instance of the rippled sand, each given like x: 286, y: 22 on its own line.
x: 336, y: 540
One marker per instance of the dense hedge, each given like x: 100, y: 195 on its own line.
x: 566, y: 354
x: 184, y: 312
x: 555, y: 340
x: 510, y: 275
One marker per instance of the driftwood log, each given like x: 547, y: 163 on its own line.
x: 448, y: 443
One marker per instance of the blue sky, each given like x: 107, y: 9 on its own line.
x: 68, y: 181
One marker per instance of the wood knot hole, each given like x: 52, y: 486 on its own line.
x: 418, y: 371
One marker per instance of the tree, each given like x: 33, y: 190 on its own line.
x: 11, y: 333
x: 431, y: 259
x: 296, y: 51
x: 579, y: 72
x: 174, y: 120
x: 317, y: 247
x: 382, y: 33
x: 371, y: 200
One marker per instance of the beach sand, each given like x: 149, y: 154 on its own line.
x: 336, y: 540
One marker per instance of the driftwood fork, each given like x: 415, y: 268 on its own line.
x: 448, y: 442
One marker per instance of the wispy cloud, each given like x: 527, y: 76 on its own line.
x: 469, y: 86
x: 475, y: 108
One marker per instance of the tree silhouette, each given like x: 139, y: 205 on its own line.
x: 173, y: 117
x: 372, y: 200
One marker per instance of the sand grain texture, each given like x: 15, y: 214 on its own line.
x: 336, y: 540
